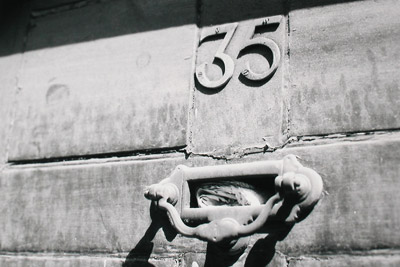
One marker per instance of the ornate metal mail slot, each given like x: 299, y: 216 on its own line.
x: 222, y: 203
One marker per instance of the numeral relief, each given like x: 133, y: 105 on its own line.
x: 246, y: 35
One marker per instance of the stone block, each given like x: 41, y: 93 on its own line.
x: 50, y: 261
x: 100, y: 206
x: 156, y: 262
x: 358, y: 210
x: 242, y: 113
x: 344, y: 70
x: 347, y: 260
x: 240, y: 260
x: 97, y: 207
x: 84, y: 92
x: 11, y: 44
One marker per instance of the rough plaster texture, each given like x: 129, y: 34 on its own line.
x: 239, y: 114
x: 81, y: 261
x: 344, y: 70
x: 100, y: 207
x: 384, y: 259
x: 219, y: 259
x: 110, y: 95
x: 8, y: 66
x: 390, y: 259
x: 11, y: 44
x: 121, y: 82
x: 97, y: 207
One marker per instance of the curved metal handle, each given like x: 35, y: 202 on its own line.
x: 295, y: 184
x: 221, y: 229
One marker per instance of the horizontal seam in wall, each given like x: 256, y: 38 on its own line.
x: 95, y: 255
x: 147, y: 154
x: 303, y: 141
x: 180, y: 151
x: 336, y: 138
x: 80, y: 256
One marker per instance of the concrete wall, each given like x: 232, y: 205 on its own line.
x: 98, y: 100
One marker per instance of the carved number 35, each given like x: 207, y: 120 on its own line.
x: 229, y: 65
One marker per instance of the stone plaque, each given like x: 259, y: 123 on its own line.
x: 238, y: 82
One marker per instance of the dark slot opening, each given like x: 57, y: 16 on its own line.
x: 262, y: 184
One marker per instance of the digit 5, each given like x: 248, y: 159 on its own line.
x: 229, y: 66
x: 269, y: 44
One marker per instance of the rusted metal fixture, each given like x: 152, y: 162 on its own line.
x: 294, y: 186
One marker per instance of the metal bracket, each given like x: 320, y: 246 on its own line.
x: 296, y: 187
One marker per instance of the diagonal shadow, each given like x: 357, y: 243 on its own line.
x: 260, y: 255
x: 139, y: 256
x: 264, y: 250
x: 47, y: 24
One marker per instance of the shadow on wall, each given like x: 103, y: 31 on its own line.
x: 55, y: 23
x: 263, y: 251
x: 139, y: 256
x: 260, y: 255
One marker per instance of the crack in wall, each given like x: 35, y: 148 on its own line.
x: 294, y: 141
x: 287, y: 81
x: 191, y: 108
x: 235, y: 153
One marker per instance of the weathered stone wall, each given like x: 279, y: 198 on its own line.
x: 99, y: 100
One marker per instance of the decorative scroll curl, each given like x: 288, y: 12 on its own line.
x: 294, y: 183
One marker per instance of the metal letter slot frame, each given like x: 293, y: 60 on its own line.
x: 296, y: 189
